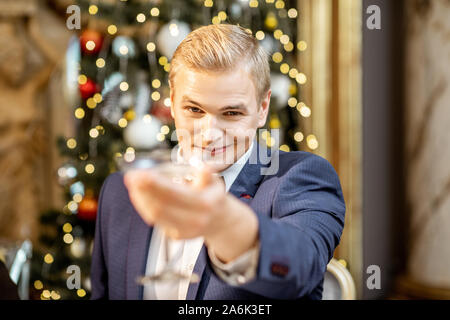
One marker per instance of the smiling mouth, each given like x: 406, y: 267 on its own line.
x: 214, y: 151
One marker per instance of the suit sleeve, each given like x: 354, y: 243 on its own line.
x: 99, y: 271
x: 299, y: 240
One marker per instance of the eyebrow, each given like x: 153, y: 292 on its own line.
x: 240, y: 106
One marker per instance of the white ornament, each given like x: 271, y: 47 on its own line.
x: 77, y: 187
x: 78, y: 247
x: 71, y: 72
x: 236, y: 10
x: 66, y: 174
x: 123, y: 46
x: 280, y: 89
x: 115, y: 101
x: 111, y: 82
x: 170, y: 36
x: 269, y: 44
x: 126, y: 100
x: 142, y: 133
x: 87, y: 283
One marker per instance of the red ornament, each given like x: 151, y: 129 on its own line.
x: 87, y: 208
x: 91, y: 42
x: 88, y: 89
x: 161, y: 112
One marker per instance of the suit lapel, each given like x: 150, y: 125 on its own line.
x: 138, y: 245
x: 247, y: 182
x: 199, y: 269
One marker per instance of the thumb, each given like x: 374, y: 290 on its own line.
x: 205, y: 177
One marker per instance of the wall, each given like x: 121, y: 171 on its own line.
x: 427, y: 137
x: 382, y: 146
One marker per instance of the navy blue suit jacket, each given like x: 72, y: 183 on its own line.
x: 301, y: 213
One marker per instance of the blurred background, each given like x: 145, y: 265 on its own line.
x: 365, y: 84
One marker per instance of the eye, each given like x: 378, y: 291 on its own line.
x: 232, y: 113
x: 194, y: 110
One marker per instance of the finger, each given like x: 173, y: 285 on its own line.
x: 178, y: 219
x: 204, y: 178
x: 158, y: 188
x: 129, y: 178
x: 136, y: 179
x: 142, y: 205
x: 147, y: 179
x: 214, y: 193
x: 155, y: 210
x: 150, y: 188
x: 181, y: 225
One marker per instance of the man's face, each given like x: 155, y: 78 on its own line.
x: 216, y: 115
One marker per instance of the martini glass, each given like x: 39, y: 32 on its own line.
x: 182, y: 173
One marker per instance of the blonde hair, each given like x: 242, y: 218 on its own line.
x: 223, y: 47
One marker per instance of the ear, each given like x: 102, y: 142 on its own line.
x: 264, y: 109
x: 172, y: 99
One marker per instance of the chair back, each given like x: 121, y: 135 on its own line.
x: 338, y: 283
x: 17, y: 258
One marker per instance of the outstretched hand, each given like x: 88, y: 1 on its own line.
x: 203, y: 209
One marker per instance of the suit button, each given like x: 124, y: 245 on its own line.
x: 241, y: 279
x: 279, y: 270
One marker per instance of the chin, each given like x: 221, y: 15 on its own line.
x: 218, y: 167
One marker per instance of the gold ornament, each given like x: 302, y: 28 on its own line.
x: 271, y: 21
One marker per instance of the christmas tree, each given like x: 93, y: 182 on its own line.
x: 117, y: 81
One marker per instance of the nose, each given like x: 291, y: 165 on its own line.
x: 211, y: 130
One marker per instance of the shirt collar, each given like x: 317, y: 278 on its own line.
x: 231, y: 173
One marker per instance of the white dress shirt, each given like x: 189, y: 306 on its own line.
x: 184, y: 254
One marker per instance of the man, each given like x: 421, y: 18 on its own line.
x: 270, y: 236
